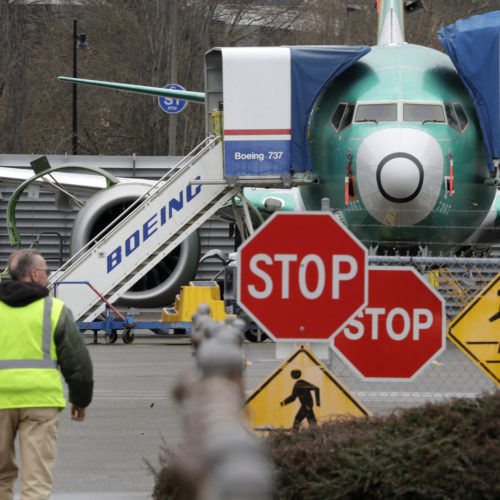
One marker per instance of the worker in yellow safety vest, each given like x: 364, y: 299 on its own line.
x: 38, y: 335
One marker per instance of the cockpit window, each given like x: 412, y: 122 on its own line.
x: 348, y: 116
x: 342, y: 117
x: 338, y: 114
x: 461, y: 116
x: 377, y: 113
x: 451, y: 116
x: 423, y: 113
x: 420, y: 112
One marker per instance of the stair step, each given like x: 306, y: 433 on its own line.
x: 206, y: 160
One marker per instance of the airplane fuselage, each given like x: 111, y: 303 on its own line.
x: 397, y: 148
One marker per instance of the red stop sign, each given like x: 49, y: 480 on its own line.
x: 301, y: 276
x: 400, y: 331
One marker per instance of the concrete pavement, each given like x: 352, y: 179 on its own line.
x: 133, y: 412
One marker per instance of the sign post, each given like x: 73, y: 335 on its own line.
x: 302, y: 276
x: 402, y: 329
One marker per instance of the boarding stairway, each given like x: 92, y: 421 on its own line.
x: 145, y: 233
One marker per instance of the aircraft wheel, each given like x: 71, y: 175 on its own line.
x: 128, y: 336
x: 113, y: 336
x: 254, y: 334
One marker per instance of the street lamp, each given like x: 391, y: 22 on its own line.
x: 79, y: 42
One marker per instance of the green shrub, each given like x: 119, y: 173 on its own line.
x: 437, y: 451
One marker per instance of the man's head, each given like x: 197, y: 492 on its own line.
x: 30, y: 266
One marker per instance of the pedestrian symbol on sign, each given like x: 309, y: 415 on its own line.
x: 302, y: 390
x: 301, y: 379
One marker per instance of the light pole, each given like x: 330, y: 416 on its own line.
x: 79, y: 42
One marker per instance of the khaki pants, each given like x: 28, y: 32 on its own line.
x: 38, y: 431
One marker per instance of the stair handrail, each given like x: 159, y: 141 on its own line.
x: 207, y: 144
x: 104, y: 299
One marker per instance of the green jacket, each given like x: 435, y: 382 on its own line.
x: 70, y: 350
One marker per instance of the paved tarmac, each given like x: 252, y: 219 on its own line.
x: 133, y: 411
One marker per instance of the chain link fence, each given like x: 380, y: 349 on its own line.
x: 453, y: 374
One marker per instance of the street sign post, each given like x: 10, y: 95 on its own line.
x: 171, y: 104
x: 401, y: 330
x: 302, y: 276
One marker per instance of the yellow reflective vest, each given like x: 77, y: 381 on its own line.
x: 29, y: 376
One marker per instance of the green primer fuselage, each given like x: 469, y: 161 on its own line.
x: 401, y: 73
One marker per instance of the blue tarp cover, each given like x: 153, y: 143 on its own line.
x: 474, y: 47
x: 312, y: 69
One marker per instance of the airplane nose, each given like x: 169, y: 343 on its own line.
x: 399, y: 173
x: 400, y: 177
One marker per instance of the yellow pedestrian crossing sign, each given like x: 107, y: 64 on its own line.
x: 476, y: 330
x: 301, y: 391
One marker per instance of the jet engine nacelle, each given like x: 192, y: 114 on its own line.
x: 160, y: 285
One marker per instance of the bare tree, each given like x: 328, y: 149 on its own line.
x: 155, y: 42
x: 149, y: 42
x: 337, y: 22
x: 14, y: 22
x: 423, y: 26
x: 346, y: 22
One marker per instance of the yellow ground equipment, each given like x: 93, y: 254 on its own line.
x: 190, y: 297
